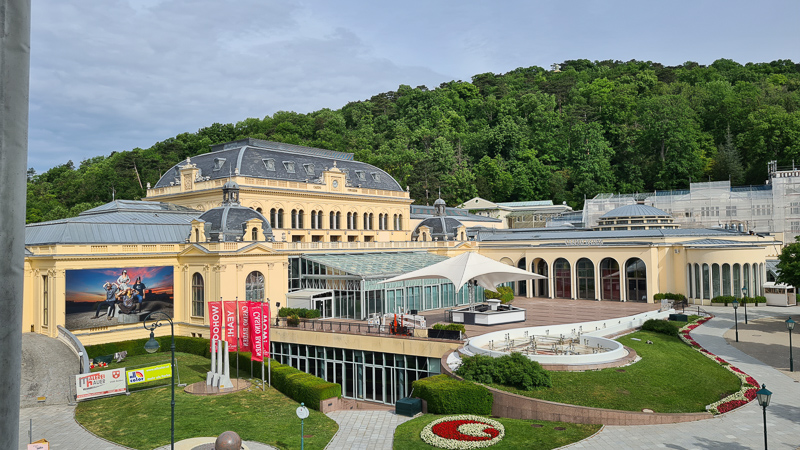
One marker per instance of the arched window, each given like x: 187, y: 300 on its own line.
x: 254, y: 286
x: 198, y: 296
x: 746, y: 280
x: 697, y: 290
x: 726, y: 279
x: 541, y: 269
x: 365, y: 222
x: 562, y: 276
x: 689, y: 283
x: 196, y: 235
x: 301, y: 219
x: 294, y: 218
x: 394, y: 222
x: 706, y: 282
x: 636, y: 276
x: 522, y: 286
x: 737, y: 281
x: 273, y: 217
x: 338, y: 220
x: 259, y: 210
x: 371, y: 223
x: 254, y: 234
x: 585, y: 279
x: 610, y: 279
x: 715, y: 281
x: 280, y: 218
x: 399, y: 221
x: 332, y: 220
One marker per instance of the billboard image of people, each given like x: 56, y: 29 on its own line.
x: 103, y: 297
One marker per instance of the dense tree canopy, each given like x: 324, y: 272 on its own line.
x: 530, y: 134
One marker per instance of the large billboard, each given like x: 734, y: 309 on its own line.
x: 117, y: 295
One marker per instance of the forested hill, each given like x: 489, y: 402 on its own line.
x: 529, y: 134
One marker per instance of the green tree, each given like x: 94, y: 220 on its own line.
x: 789, y: 264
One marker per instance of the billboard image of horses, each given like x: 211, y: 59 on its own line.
x: 117, y: 295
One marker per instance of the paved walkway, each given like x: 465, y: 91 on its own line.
x: 57, y: 424
x: 737, y: 430
x: 364, y: 430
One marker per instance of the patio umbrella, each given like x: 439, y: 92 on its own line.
x: 469, y: 266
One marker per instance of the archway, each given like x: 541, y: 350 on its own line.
x: 562, y: 276
x: 522, y: 286
x: 542, y: 289
x: 585, y: 279
x: 636, y: 277
x: 610, y: 279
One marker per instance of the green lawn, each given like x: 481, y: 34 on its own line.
x: 671, y: 377
x: 519, y: 434
x: 142, y: 419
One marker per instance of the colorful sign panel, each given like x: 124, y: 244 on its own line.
x: 244, y: 326
x: 231, y: 326
x: 265, y: 333
x: 116, y: 295
x: 100, y: 384
x: 145, y: 374
x: 214, y: 323
x: 256, y: 330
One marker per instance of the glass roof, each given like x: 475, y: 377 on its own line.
x: 376, y: 265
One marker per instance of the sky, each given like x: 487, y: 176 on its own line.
x: 113, y: 75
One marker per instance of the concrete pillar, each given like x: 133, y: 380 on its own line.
x: 15, y: 38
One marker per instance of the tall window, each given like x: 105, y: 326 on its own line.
x: 254, y: 234
x: 366, y: 221
x: 280, y: 218
x: 332, y: 220
x: 254, y: 286
x: 726, y: 279
x: 715, y: 280
x: 338, y: 220
x: 273, y: 218
x: 636, y: 275
x: 585, y: 279
x: 610, y: 279
x: 198, y: 295
x: 563, y: 278
x: 45, y: 300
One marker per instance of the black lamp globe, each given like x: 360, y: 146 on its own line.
x: 152, y: 345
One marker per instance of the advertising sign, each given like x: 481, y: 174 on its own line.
x: 145, y: 374
x: 256, y: 331
x: 215, y: 322
x: 244, y: 326
x: 99, y: 384
x: 265, y: 333
x: 116, y: 295
x: 231, y: 332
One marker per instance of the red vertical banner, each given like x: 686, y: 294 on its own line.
x: 230, y: 325
x: 244, y: 326
x: 256, y: 329
x: 265, y: 334
x: 215, y: 322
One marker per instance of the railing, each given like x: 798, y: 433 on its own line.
x: 331, y: 326
x: 74, y: 343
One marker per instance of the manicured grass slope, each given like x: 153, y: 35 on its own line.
x: 142, y: 419
x: 520, y: 434
x: 670, y: 378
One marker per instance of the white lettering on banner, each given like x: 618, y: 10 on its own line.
x: 583, y: 242
x: 257, y: 325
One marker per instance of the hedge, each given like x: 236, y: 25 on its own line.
x: 297, y: 385
x: 450, y: 327
x: 299, y: 312
x: 514, y: 370
x: 660, y: 326
x: 447, y: 395
x: 669, y: 296
x: 726, y: 299
x: 504, y: 293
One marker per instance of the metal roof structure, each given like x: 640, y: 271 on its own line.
x: 424, y: 211
x: 257, y: 158
x: 378, y: 264
x: 117, y: 222
x: 634, y: 211
x: 549, y: 234
x: 526, y: 204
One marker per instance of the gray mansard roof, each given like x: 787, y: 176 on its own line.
x: 228, y: 222
x: 273, y: 160
x: 118, y: 222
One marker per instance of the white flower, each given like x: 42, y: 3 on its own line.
x: 466, y: 429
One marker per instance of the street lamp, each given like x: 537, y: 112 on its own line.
x: 736, y: 318
x: 151, y: 346
x: 763, y: 396
x: 744, y: 300
x: 790, y: 327
x: 302, y: 413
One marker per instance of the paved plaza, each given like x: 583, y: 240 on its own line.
x: 762, y: 351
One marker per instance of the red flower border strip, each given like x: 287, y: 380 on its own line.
x: 463, y: 432
x: 746, y: 394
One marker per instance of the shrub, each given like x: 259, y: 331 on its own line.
x: 679, y: 298
x: 299, y: 312
x: 450, y: 327
x: 514, y: 370
x: 660, y: 326
x: 504, y: 293
x: 447, y: 395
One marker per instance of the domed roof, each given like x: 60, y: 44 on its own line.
x: 230, y: 185
x: 634, y: 211
x: 439, y: 201
x: 227, y: 223
x: 441, y: 227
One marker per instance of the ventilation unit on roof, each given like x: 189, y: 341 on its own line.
x: 269, y: 163
x: 289, y: 165
x: 218, y: 163
x: 309, y: 168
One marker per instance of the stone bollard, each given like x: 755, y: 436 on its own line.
x: 228, y: 440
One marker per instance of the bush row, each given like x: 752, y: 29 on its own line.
x: 729, y: 299
x: 299, y: 312
x: 514, y: 370
x: 450, y: 327
x: 447, y: 395
x: 504, y: 293
x: 660, y: 326
x: 297, y: 385
x: 670, y: 296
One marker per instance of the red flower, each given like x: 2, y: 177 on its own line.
x: 751, y: 381
x: 731, y: 405
x: 736, y: 369
x: 750, y: 394
x: 449, y: 430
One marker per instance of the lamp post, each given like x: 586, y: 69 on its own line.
x: 744, y: 300
x: 790, y: 327
x: 736, y: 318
x: 763, y: 396
x: 151, y: 346
x: 302, y: 413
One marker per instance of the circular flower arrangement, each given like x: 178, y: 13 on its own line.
x: 463, y: 432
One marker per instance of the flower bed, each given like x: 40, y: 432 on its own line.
x: 463, y: 432
x: 746, y: 394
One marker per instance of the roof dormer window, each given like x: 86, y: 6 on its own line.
x: 218, y: 163
x: 269, y: 164
x: 289, y: 165
x: 376, y: 176
x: 309, y: 167
x: 362, y: 176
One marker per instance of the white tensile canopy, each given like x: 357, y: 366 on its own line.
x: 470, y: 266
